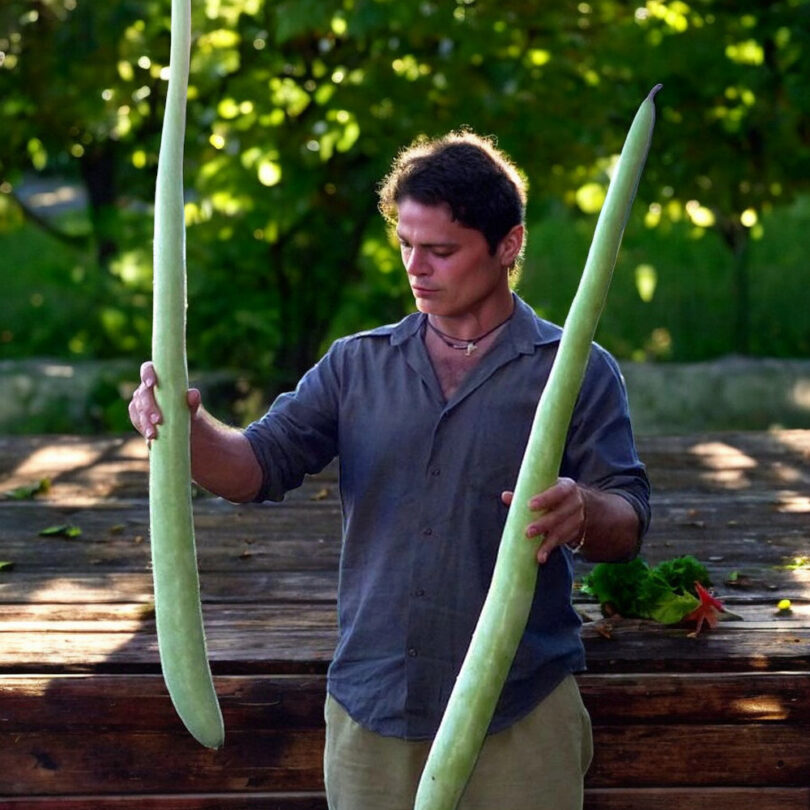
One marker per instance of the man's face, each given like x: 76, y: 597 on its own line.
x: 449, y: 266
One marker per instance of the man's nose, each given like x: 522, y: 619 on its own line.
x: 417, y: 263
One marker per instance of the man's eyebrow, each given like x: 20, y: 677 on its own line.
x: 403, y: 238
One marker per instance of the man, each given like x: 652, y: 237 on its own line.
x: 429, y: 419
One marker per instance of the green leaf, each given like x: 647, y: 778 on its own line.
x: 674, y: 608
x: 28, y: 491
x: 294, y: 19
x: 5, y: 565
x: 620, y: 585
x: 665, y: 593
x: 682, y: 573
x: 62, y: 530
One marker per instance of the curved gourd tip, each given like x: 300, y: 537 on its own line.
x: 654, y: 91
x: 213, y: 740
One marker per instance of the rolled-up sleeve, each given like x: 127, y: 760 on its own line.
x: 601, y: 451
x: 298, y: 434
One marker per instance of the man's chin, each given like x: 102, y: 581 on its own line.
x: 426, y: 306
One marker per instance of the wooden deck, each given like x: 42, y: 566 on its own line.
x: 720, y: 721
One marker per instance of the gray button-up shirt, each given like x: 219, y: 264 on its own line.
x: 420, y: 482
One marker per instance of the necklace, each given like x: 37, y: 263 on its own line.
x: 467, y: 346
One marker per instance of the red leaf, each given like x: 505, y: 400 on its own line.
x: 707, y: 611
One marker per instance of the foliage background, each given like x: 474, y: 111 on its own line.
x: 295, y: 111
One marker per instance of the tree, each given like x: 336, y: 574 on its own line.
x: 297, y: 108
x: 734, y: 140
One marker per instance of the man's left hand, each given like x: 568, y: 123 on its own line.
x: 563, y: 517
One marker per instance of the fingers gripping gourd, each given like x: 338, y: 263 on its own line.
x: 506, y: 609
x: 181, y: 638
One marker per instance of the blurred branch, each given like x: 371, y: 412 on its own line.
x: 82, y: 241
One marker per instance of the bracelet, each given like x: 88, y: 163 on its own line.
x: 576, y: 545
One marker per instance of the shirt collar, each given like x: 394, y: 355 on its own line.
x: 526, y: 329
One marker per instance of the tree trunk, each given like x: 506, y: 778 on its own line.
x: 737, y: 238
x: 97, y: 168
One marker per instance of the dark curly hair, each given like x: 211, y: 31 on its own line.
x: 467, y: 172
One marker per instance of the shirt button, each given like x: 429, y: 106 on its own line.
x: 412, y: 652
x: 419, y: 592
x: 435, y: 472
x: 427, y: 532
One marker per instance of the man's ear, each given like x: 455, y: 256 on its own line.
x: 511, y: 245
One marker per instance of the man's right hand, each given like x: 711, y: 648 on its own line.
x: 143, y: 408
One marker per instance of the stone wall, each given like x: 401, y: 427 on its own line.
x: 43, y: 396
x: 732, y: 393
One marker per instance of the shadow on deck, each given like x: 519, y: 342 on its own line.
x: 85, y: 722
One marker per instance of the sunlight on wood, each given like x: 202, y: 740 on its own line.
x: 759, y: 661
x: 793, y: 502
x: 77, y: 636
x: 730, y: 479
x: 796, y: 440
x: 761, y: 707
x: 74, y: 651
x: 723, y: 464
x: 787, y: 473
x: 89, y: 589
x: 25, y: 684
x: 65, y: 626
x: 82, y: 470
x: 719, y: 455
x: 56, y: 459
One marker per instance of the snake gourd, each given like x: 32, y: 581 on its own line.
x: 505, y: 612
x: 181, y: 637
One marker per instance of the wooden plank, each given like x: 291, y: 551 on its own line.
x: 256, y: 638
x: 127, y: 618
x: 678, y: 721
x: 698, y: 798
x: 57, y: 617
x: 736, y: 521
x: 42, y: 763
x: 73, y: 704
x: 229, y: 538
x: 738, y: 614
x: 169, y: 801
x: 280, y: 651
x: 650, y: 755
x: 32, y: 588
x: 646, y: 647
x: 721, y: 698
x: 766, y: 459
x: 604, y: 799
x: 653, y: 755
x: 80, y: 704
x: 753, y: 530
x: 91, y: 470
x: 81, y: 734
x: 24, y: 586
x: 723, y: 462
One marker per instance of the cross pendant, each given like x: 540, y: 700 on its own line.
x: 471, y: 347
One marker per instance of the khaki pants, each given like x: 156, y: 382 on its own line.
x: 537, y: 764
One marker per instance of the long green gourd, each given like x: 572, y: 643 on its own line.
x: 181, y: 638
x: 505, y: 612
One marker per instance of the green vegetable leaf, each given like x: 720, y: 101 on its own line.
x: 5, y: 565
x: 28, y: 491
x: 674, y: 608
x: 665, y: 593
x: 63, y: 530
x: 682, y: 573
x: 621, y: 585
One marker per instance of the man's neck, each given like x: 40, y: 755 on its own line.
x: 473, y: 325
x: 452, y: 365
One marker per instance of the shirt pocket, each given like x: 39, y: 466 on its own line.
x: 488, y: 513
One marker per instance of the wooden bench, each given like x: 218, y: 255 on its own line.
x: 716, y: 722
